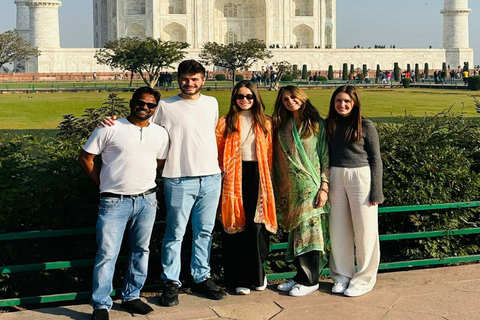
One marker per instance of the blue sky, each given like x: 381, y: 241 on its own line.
x: 405, y: 23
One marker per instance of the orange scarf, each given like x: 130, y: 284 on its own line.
x: 232, y: 214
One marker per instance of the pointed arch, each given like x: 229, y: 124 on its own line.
x: 175, y: 32
x: 328, y: 37
x: 136, y: 30
x: 230, y: 37
x: 303, y: 36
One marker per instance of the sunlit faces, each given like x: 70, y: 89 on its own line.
x: 244, y: 98
x: 343, y: 104
x: 290, y: 102
x: 142, y: 108
x: 191, y: 84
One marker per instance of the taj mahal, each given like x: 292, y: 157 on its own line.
x: 298, y: 31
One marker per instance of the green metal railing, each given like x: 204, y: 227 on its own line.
x: 274, y: 247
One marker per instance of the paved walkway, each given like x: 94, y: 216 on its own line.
x: 447, y: 293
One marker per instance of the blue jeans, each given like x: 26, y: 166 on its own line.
x: 196, y: 197
x: 137, y: 215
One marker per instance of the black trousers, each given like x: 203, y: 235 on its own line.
x: 244, y: 253
x: 308, y: 268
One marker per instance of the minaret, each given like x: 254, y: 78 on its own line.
x: 23, y: 18
x: 456, y: 33
x: 44, y: 28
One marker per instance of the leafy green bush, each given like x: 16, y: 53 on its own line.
x: 396, y: 72
x: 406, y: 82
x: 330, y: 72
x: 304, y: 72
x: 430, y: 160
x: 238, y: 77
x: 44, y: 188
x: 474, y: 83
x: 287, y: 77
x: 220, y: 77
x: 345, y: 72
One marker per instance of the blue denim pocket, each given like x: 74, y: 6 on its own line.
x: 174, y: 180
x: 109, y: 203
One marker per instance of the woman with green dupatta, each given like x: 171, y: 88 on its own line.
x: 301, y: 186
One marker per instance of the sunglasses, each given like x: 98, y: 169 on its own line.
x: 140, y: 103
x: 241, y: 96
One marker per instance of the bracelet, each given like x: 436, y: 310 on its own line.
x: 323, y: 189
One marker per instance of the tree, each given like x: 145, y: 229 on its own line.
x: 396, y: 71
x: 304, y: 72
x: 79, y: 128
x: 147, y: 57
x: 235, y: 56
x: 330, y: 72
x: 295, y: 71
x: 425, y: 70
x: 14, y: 47
x: 345, y: 72
x: 282, y: 68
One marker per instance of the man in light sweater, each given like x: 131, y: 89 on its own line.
x: 132, y: 150
x: 192, y: 181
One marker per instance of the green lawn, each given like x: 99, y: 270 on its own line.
x: 45, y: 110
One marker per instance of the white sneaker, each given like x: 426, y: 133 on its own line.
x: 242, y: 291
x: 355, y: 292
x: 340, y: 287
x: 287, y: 286
x: 300, y: 290
x: 265, y: 283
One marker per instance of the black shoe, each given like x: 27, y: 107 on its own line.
x: 169, y: 297
x: 209, y: 289
x: 136, y: 306
x: 100, y: 314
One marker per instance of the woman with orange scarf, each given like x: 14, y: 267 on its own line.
x: 247, y: 206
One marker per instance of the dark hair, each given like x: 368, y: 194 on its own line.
x: 308, y: 113
x: 258, y: 108
x: 191, y: 67
x: 146, y: 90
x: 353, y: 131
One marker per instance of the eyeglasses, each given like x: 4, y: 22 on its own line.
x: 141, y: 103
x: 241, y: 96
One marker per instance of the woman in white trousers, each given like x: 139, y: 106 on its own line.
x: 355, y: 192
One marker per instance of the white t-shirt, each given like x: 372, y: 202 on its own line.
x: 191, y: 127
x: 129, y: 155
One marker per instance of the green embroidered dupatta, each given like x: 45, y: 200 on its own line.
x: 300, y: 165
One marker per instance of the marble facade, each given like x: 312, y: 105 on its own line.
x: 299, y: 31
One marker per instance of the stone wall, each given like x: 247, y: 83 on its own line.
x: 66, y: 60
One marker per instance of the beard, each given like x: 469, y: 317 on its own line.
x: 190, y: 93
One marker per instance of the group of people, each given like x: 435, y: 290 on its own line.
x: 322, y: 180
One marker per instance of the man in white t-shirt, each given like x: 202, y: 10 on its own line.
x: 132, y: 150
x: 192, y: 181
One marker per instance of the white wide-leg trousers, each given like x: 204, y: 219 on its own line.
x: 353, y: 227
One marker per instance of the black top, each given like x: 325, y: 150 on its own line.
x: 365, y: 152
